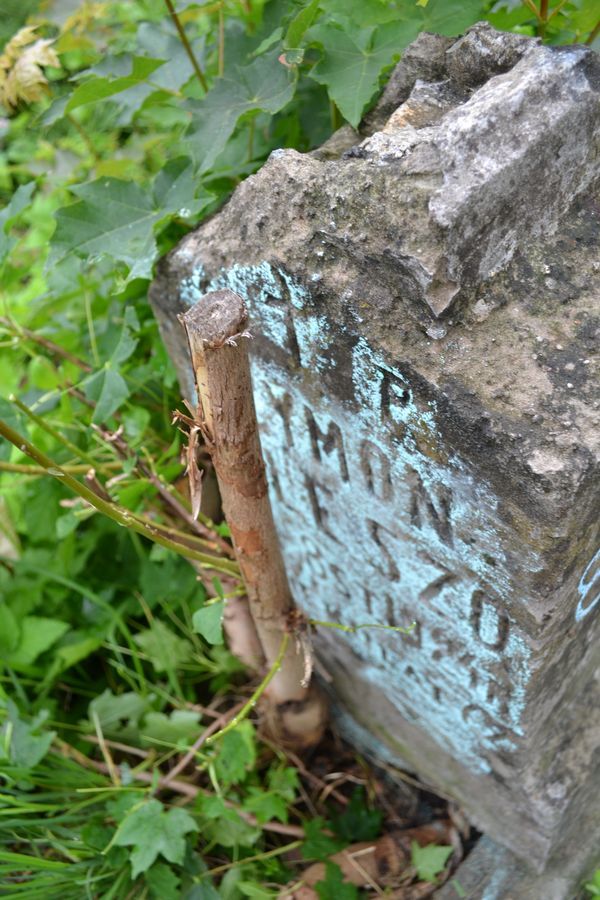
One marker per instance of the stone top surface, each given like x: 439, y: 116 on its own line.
x: 359, y: 222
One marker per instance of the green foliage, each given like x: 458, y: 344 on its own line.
x: 151, y: 831
x: 106, y: 640
x: 593, y: 887
x: 318, y: 844
x: 333, y: 887
x: 207, y: 622
x: 429, y: 861
x: 357, y: 822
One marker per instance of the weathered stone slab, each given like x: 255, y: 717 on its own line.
x: 438, y: 470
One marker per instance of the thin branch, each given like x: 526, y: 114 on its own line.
x: 191, y: 753
x: 78, y: 468
x: 178, y: 787
x: 251, y: 703
x: 186, y: 44
x: 55, y: 349
x: 118, y: 514
x: 112, y: 769
x: 41, y: 423
x: 116, y: 440
x: 593, y: 34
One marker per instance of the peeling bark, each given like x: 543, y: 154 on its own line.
x: 216, y: 331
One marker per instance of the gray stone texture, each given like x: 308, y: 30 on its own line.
x: 424, y: 299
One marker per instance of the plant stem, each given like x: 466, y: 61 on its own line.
x: 251, y: 127
x: 352, y: 629
x: 41, y: 423
x: 186, y: 44
x: 91, y: 330
x: 26, y: 469
x: 118, y: 514
x: 593, y: 34
x: 20, y: 331
x: 543, y: 18
x: 251, y: 703
x: 269, y: 854
x: 221, y: 62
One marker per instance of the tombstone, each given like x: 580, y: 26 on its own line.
x: 422, y: 304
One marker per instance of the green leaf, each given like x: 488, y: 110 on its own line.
x: 225, y: 826
x: 300, y: 24
x: 37, y: 635
x: 357, y: 822
x: 152, y: 832
x: 10, y: 631
x: 22, y: 742
x: 174, y: 189
x: 254, y: 891
x: 118, y: 219
x: 163, y: 882
x: 97, y: 89
x: 263, y: 85
x: 352, y: 65
x: 80, y: 645
x: 207, y: 621
x: 118, y: 713
x: 108, y: 389
x: 113, y: 218
x: 180, y: 727
x: 429, y: 861
x: 265, y: 805
x: 19, y: 200
x: 237, y: 754
x: 334, y: 887
x: 317, y: 844
x: 165, y: 649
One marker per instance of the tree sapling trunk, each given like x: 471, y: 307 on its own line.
x: 215, y: 327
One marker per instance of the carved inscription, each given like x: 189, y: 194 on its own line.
x: 589, y: 588
x: 379, y: 525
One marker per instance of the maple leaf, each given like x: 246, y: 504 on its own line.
x: 152, y: 831
x: 21, y: 76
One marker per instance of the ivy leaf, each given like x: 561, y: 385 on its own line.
x: 152, y: 831
x: 163, y: 882
x: 96, y: 89
x: 266, y: 805
x: 352, y: 64
x: 334, y: 887
x: 264, y: 85
x: 317, y: 844
x: 357, y: 822
x: 237, y: 754
x: 429, y: 861
x: 207, y: 621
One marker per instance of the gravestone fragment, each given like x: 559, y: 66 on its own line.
x: 425, y: 313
